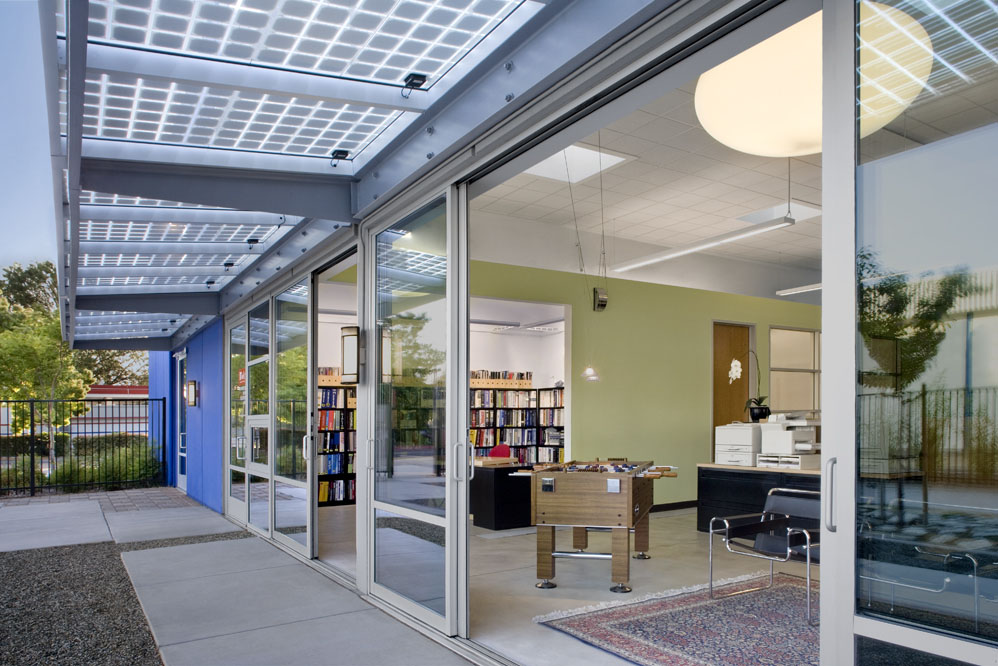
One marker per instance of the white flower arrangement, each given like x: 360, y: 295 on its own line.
x: 735, y: 371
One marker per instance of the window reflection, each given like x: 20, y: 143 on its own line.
x: 927, y: 284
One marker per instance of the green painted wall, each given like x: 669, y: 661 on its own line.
x: 652, y: 348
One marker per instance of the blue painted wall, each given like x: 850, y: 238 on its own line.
x: 206, y: 366
x: 161, y: 369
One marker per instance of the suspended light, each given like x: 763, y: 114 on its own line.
x: 767, y: 100
x: 590, y: 374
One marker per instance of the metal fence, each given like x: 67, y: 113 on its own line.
x: 948, y: 435
x: 55, y: 446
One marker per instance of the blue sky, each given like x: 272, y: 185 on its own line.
x: 26, y: 193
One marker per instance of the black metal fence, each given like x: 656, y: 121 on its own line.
x: 948, y: 435
x: 57, y: 446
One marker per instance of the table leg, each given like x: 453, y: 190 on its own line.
x: 641, y: 539
x: 545, y: 557
x: 580, y: 538
x: 620, y: 550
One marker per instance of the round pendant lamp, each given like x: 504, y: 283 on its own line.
x: 767, y: 100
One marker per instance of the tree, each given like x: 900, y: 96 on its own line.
x: 35, y: 289
x: 901, y: 330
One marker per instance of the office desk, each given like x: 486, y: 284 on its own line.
x: 500, y: 501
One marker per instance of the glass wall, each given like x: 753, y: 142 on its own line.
x: 237, y: 411
x: 927, y: 286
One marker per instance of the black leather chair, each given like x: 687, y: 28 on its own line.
x: 788, y: 529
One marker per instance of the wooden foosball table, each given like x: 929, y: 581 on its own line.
x: 614, y: 496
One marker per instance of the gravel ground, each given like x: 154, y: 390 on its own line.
x: 75, y: 605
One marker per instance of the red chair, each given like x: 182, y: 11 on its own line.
x: 499, y: 451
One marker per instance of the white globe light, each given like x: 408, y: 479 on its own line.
x: 767, y: 100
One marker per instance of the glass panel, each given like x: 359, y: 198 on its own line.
x: 259, y: 322
x: 291, y: 366
x: 409, y: 557
x: 791, y: 349
x: 870, y: 652
x: 259, y: 504
x: 237, y: 485
x: 259, y: 444
x: 927, y: 532
x: 182, y: 405
x: 411, y: 274
x: 259, y: 388
x: 291, y: 511
x: 237, y: 395
x: 792, y: 391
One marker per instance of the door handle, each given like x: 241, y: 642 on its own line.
x: 471, y: 456
x: 304, y: 447
x: 455, y: 473
x: 829, y: 494
x: 370, y: 455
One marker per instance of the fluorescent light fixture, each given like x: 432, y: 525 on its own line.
x: 704, y: 244
x: 799, y: 290
x: 767, y: 100
x: 798, y: 211
x: 581, y: 164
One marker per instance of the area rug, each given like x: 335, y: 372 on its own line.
x: 687, y: 628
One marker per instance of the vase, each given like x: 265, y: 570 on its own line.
x: 759, y: 413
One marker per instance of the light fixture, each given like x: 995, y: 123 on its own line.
x: 350, y: 354
x: 707, y: 243
x: 415, y: 80
x: 590, y: 374
x: 803, y: 289
x: 767, y: 100
x: 191, y: 393
x: 574, y: 164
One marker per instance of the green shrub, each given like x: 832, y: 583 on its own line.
x: 127, y: 464
x: 76, y: 476
x: 17, y: 475
x: 87, y: 445
x: 17, y: 445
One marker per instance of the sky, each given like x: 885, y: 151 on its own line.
x: 27, y: 223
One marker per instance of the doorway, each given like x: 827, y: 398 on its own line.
x: 182, y: 421
x: 731, y: 342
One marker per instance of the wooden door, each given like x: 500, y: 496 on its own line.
x: 730, y: 341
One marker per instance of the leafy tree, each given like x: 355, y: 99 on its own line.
x: 411, y: 359
x: 114, y: 367
x: 34, y: 287
x: 901, y: 330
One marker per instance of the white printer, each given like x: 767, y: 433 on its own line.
x: 736, y: 444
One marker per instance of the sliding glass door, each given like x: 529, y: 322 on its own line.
x: 419, y: 467
x: 912, y: 506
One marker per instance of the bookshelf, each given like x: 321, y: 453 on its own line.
x: 530, y: 421
x: 337, y: 443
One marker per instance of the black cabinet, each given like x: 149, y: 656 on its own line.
x: 728, y: 492
x: 500, y: 501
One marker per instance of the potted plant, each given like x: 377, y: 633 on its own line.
x: 756, y: 407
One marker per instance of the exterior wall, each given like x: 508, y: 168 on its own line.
x: 161, y: 371
x: 206, y: 366
x: 653, y: 350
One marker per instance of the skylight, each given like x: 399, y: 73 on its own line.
x: 371, y: 40
x: 574, y: 164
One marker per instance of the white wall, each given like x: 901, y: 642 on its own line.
x: 542, y: 355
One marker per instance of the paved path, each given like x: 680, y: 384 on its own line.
x: 136, y: 499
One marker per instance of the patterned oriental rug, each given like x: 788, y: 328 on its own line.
x: 686, y: 628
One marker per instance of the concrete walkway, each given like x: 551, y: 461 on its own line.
x: 237, y: 601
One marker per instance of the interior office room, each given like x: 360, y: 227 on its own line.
x: 532, y: 381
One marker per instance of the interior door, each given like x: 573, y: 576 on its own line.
x: 731, y: 341
x: 419, y: 471
x: 293, y: 450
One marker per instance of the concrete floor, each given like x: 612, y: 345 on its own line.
x: 504, y: 600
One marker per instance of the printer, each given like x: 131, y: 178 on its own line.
x: 736, y: 444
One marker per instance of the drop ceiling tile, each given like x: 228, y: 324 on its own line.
x: 629, y: 124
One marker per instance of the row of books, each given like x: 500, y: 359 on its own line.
x: 479, y: 437
x: 337, y: 491
x: 528, y: 455
x: 517, y: 436
x: 516, y: 418
x: 334, y: 441
x: 551, y: 417
x: 551, y: 397
x: 552, y: 437
x: 508, y: 398
x: 334, y: 397
x: 329, y: 370
x: 338, y: 419
x: 483, y: 418
x: 501, y: 374
x: 339, y: 463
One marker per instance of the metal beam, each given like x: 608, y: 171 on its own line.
x: 158, y: 343
x: 94, y: 330
x: 155, y: 271
x: 253, y: 78
x: 223, y: 158
x: 326, y: 197
x: 77, y: 20
x: 168, y: 247
x: 83, y: 320
x: 180, y: 302
x: 113, y: 213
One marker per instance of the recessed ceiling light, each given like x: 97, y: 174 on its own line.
x: 575, y: 164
